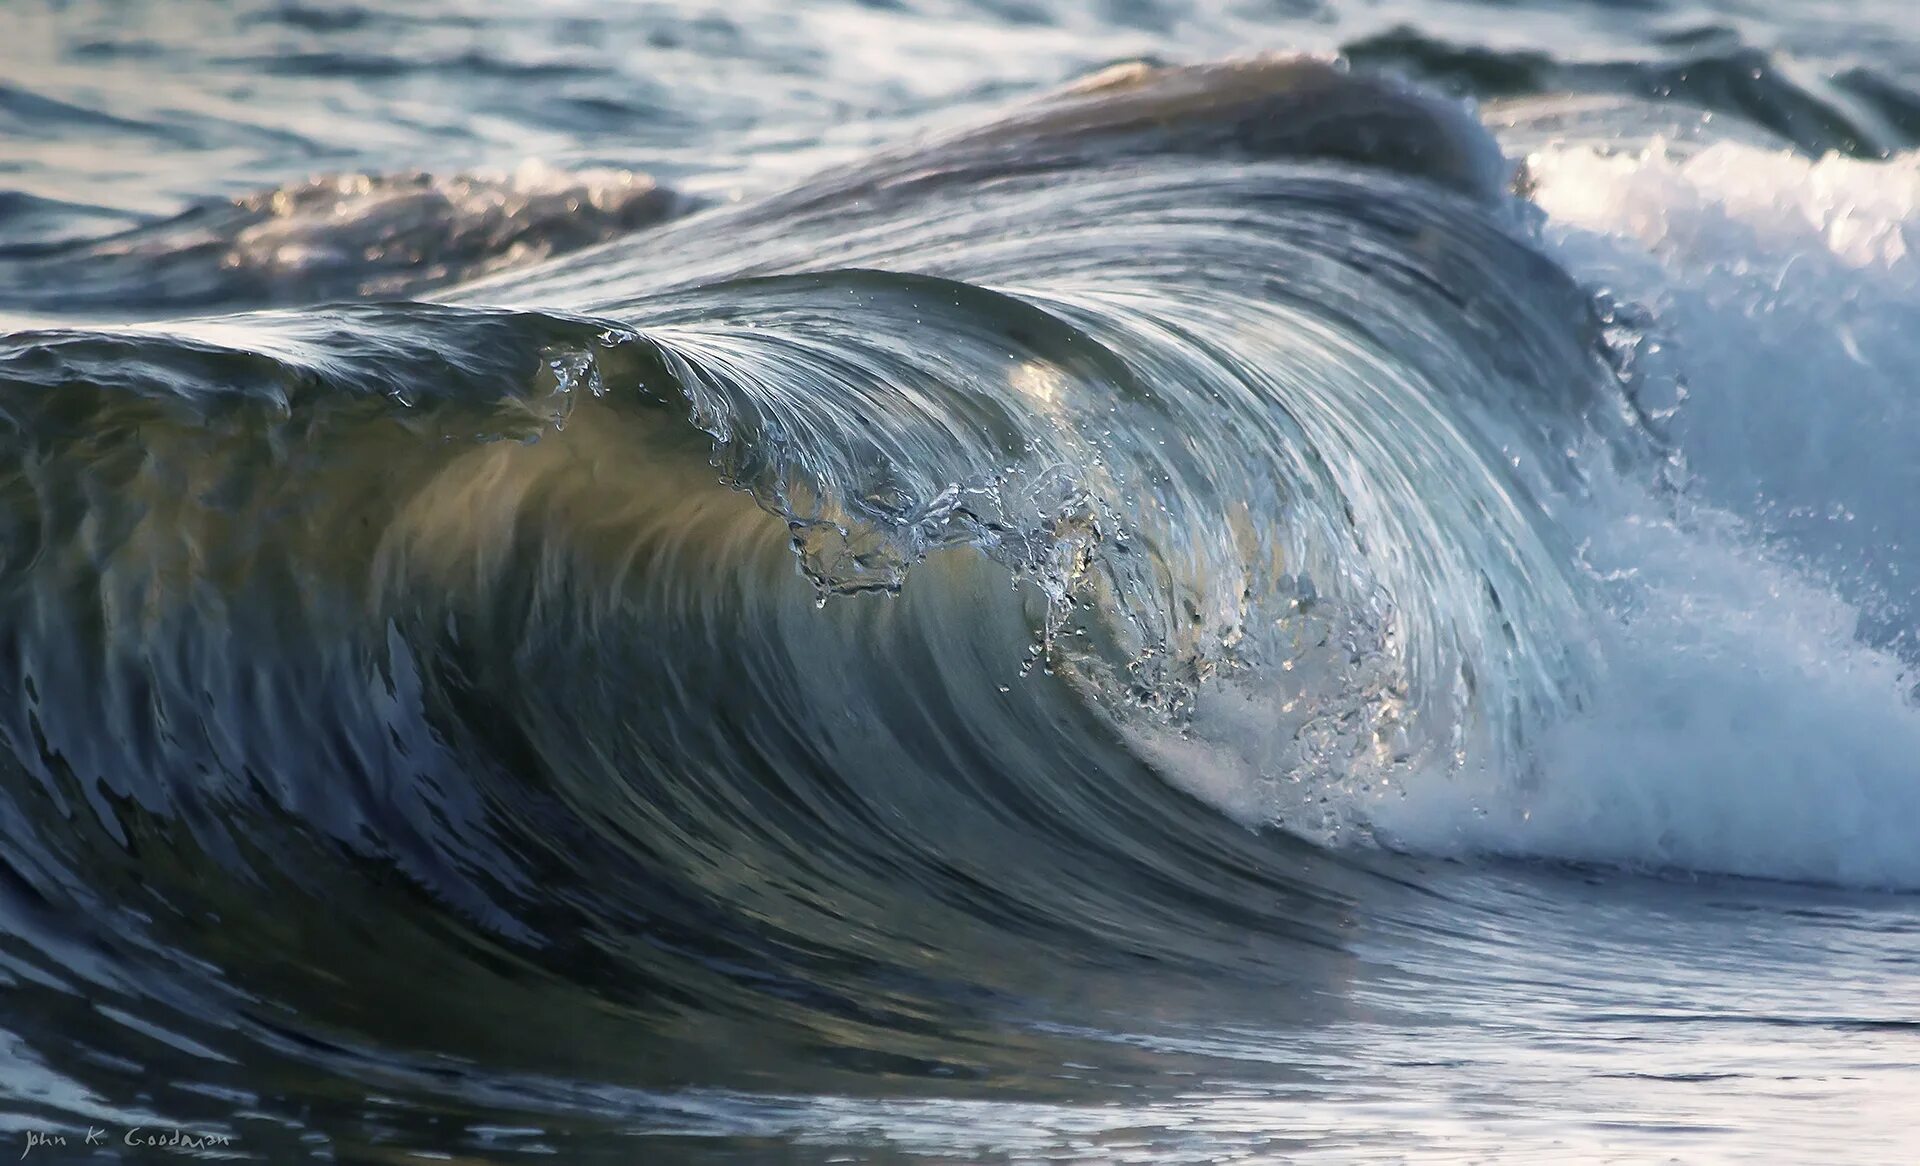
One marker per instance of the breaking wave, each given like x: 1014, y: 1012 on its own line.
x: 1110, y: 531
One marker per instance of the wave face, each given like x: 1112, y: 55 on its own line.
x: 783, y: 639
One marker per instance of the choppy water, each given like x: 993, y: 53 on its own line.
x: 623, y: 583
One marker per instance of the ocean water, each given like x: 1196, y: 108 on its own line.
x: 959, y: 581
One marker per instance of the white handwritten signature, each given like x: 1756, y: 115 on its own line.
x: 140, y: 1137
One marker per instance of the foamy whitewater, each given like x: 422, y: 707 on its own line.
x: 1755, y: 711
x: 589, y: 585
x: 1749, y: 704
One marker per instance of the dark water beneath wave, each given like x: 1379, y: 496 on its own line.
x: 1174, y: 622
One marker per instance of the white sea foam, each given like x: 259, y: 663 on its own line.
x: 1753, y: 709
x: 1755, y: 712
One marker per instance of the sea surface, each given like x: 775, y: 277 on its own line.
x: 959, y: 581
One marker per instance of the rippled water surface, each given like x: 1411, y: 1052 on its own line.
x: 984, y: 581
